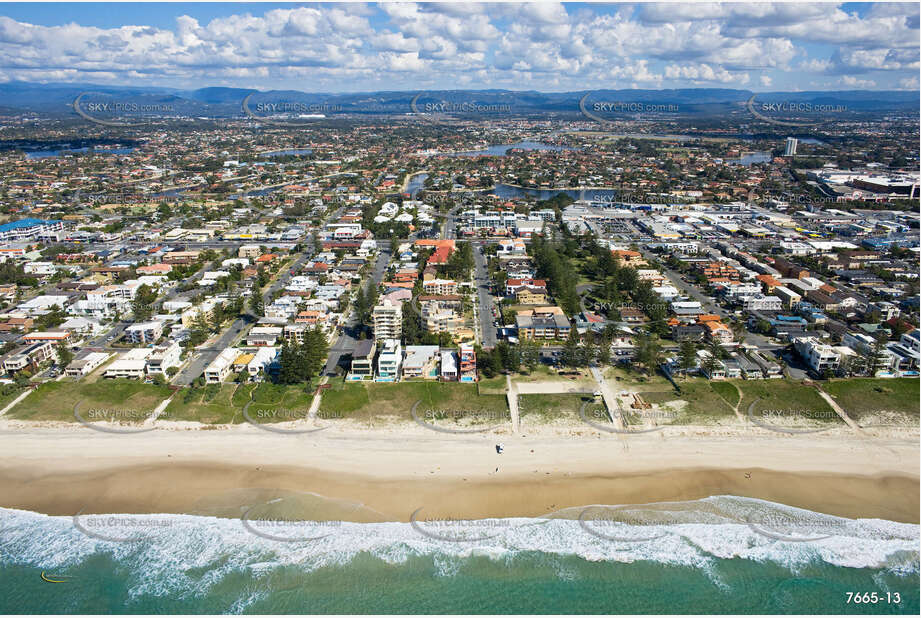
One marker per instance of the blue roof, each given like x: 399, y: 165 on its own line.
x: 25, y: 223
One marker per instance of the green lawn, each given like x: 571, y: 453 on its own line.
x: 786, y: 399
x: 55, y: 400
x: 704, y: 406
x: 865, y: 397
x: 375, y: 402
x: 217, y: 404
x: 548, y: 408
x: 211, y: 404
x: 9, y: 392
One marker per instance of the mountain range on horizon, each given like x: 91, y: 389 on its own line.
x: 219, y: 101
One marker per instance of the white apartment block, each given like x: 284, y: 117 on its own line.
x: 388, y: 320
x: 164, y: 357
x: 145, y: 332
x: 220, y: 367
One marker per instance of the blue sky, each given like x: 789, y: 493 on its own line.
x: 405, y: 46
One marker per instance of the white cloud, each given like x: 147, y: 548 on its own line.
x: 520, y: 46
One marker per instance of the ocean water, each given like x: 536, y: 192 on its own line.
x: 721, y: 554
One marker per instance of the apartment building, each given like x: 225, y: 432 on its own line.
x: 363, y: 360
x: 421, y: 361
x: 163, y: 357
x: 85, y: 363
x: 26, y: 229
x: 542, y: 323
x: 467, y: 363
x: 437, y: 318
x: 389, y: 361
x: 818, y: 356
x: 439, y: 286
x: 28, y: 356
x: 131, y: 365
x: 388, y: 320
x: 218, y: 370
x: 144, y: 332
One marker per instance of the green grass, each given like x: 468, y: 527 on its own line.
x: 865, y: 397
x: 9, y: 392
x: 547, y: 408
x: 705, y: 405
x: 787, y: 398
x: 492, y: 386
x: 727, y: 390
x: 374, y: 402
x: 217, y: 404
x: 54, y: 401
x: 212, y: 404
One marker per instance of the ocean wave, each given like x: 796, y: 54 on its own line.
x: 183, y: 555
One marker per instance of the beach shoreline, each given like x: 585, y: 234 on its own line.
x: 391, y: 473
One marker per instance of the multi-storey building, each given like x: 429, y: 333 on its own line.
x: 388, y: 320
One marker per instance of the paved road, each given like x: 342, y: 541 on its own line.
x: 763, y: 343
x: 345, y: 343
x: 485, y: 299
x: 204, y: 358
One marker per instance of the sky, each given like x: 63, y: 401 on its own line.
x: 546, y: 46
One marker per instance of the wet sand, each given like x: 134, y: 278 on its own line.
x: 391, y: 473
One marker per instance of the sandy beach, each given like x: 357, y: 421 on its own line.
x: 392, y: 472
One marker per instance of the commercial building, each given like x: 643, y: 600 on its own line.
x: 27, y: 229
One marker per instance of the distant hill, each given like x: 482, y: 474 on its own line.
x: 224, y: 102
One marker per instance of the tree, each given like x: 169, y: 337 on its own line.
x: 687, y: 356
x: 572, y: 354
x: 529, y: 352
x: 64, y: 354
x: 878, y: 359
x: 255, y: 303
x: 648, y: 351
